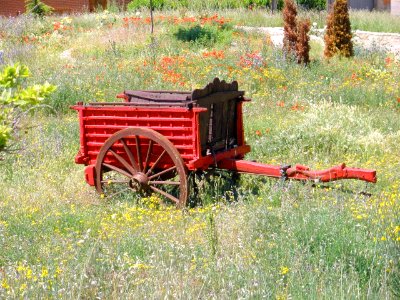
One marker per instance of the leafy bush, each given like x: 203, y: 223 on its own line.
x: 16, y: 97
x: 256, y: 3
x: 206, y: 34
x: 313, y: 4
x: 195, y: 34
x: 37, y: 8
x: 171, y: 4
x: 137, y: 4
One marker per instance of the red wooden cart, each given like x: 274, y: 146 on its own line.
x: 151, y: 142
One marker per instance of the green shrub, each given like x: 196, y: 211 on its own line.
x: 16, y: 97
x: 37, y: 8
x: 256, y: 3
x: 138, y: 4
x: 171, y: 4
x: 195, y: 34
x: 313, y: 4
x: 206, y: 35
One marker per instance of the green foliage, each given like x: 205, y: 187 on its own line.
x: 170, y: 4
x: 206, y: 35
x: 196, y: 33
x: 313, y: 4
x: 38, y: 8
x: 16, y: 96
x: 176, y: 4
x: 138, y: 4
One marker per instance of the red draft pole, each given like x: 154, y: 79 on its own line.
x: 299, y: 172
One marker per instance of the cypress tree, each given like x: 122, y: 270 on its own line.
x: 303, y: 45
x: 338, y: 32
x: 290, y: 27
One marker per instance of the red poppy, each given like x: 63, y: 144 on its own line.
x: 297, y: 106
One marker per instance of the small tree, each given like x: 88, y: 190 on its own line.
x: 303, y: 45
x: 290, y: 27
x: 338, y: 31
x: 16, y: 97
x: 38, y: 8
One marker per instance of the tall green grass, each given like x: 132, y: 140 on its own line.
x: 264, y: 238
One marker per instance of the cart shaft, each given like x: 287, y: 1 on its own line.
x: 299, y: 172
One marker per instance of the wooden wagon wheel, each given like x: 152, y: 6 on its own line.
x: 141, y: 160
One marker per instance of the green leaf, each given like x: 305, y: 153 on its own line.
x: 5, y: 135
x: 15, y: 75
x: 15, y: 96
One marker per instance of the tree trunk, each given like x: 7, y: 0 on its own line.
x: 274, y: 5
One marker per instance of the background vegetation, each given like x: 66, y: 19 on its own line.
x: 59, y: 239
x: 224, y: 4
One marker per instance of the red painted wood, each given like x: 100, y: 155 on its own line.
x: 299, y: 172
x: 182, y: 126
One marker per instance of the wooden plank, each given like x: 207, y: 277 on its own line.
x: 218, y: 97
x: 150, y: 104
x: 158, y: 96
x: 213, y: 87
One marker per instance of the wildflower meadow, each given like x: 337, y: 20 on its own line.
x: 259, y: 238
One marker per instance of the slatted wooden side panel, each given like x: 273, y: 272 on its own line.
x: 176, y: 126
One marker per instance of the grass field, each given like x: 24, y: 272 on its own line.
x: 59, y: 239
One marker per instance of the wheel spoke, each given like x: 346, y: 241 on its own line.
x: 141, y: 160
x: 123, y: 161
x: 139, y: 155
x: 169, y: 196
x: 146, y: 163
x: 130, y: 155
x: 162, y: 172
x: 156, y: 162
x: 117, y: 170
x: 165, y: 182
x: 115, y: 181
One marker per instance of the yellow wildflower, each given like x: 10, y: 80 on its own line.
x: 284, y: 270
x: 44, y: 273
x: 4, y: 284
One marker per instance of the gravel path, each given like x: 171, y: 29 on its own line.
x: 374, y: 41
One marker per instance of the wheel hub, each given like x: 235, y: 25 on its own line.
x: 140, y: 179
